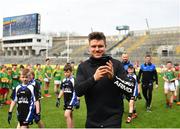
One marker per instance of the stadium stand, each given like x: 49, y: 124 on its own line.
x: 162, y: 43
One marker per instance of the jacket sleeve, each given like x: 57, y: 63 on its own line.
x: 83, y: 84
x: 139, y: 76
x: 122, y: 81
x: 156, y: 76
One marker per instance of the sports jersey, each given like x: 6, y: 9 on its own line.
x: 4, y: 80
x: 126, y: 64
x: 48, y: 70
x: 169, y: 75
x: 39, y: 75
x: 37, y: 87
x: 70, y: 98
x: 15, y: 78
x: 135, y: 90
x: 57, y: 74
x: 25, y: 97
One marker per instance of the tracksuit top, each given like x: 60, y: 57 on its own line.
x: 149, y: 73
x: 103, y: 99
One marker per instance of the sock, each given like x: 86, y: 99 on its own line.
x: 134, y: 111
x: 130, y: 114
x: 167, y: 101
x: 45, y: 91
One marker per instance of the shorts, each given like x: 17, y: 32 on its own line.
x: 46, y: 80
x: 4, y: 91
x: 176, y: 83
x: 25, y: 123
x: 130, y: 97
x: 57, y: 82
x: 68, y: 107
x: 169, y: 86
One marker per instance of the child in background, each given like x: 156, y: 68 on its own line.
x: 25, y: 96
x: 15, y: 76
x: 70, y: 98
x: 37, y: 87
x: 47, y: 77
x: 57, y: 79
x: 5, y: 81
x: 39, y: 74
x: 169, y: 83
x: 131, y: 99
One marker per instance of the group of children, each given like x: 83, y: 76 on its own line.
x: 171, y: 77
x: 26, y: 90
x: 25, y: 84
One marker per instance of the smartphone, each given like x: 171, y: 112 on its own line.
x: 104, y: 59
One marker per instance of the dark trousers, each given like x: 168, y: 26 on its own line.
x: 147, y: 89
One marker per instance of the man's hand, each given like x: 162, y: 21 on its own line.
x: 110, y: 70
x: 106, y: 70
x: 9, y: 117
x: 58, y: 102
x: 100, y: 73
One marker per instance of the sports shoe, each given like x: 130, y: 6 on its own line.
x: 134, y: 115
x: 148, y: 109
x: 178, y: 103
x: 41, y: 97
x: 47, y: 95
x: 8, y: 102
x: 128, y: 119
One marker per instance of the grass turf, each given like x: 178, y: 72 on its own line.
x: 160, y: 117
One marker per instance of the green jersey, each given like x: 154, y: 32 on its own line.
x: 57, y: 74
x: 4, y: 80
x: 39, y: 75
x: 48, y: 70
x: 15, y: 78
x: 169, y: 75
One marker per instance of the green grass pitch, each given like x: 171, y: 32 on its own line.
x: 160, y: 117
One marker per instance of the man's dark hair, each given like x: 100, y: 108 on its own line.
x: 47, y: 59
x: 67, y: 67
x: 97, y: 36
x: 148, y: 55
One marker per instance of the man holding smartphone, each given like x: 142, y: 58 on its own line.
x: 95, y: 80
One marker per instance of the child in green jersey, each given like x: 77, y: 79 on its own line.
x: 169, y: 83
x: 47, y: 77
x: 57, y: 74
x: 15, y: 76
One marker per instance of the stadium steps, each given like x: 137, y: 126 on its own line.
x: 116, y: 44
x: 137, y: 44
x: 178, y: 50
x: 79, y: 50
x: 156, y: 60
x: 122, y: 44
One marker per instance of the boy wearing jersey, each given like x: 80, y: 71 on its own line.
x: 47, y: 77
x: 132, y: 97
x: 39, y: 73
x: 15, y: 76
x: 169, y: 83
x: 70, y: 98
x: 5, y: 83
x: 37, y: 86
x: 57, y: 79
x: 25, y: 96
